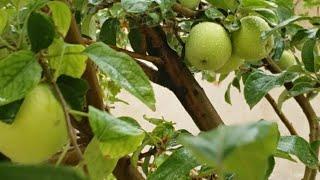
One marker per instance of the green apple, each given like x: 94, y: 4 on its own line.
x: 38, y: 131
x: 232, y: 64
x: 287, y: 59
x: 247, y: 42
x: 191, y: 4
x: 208, y: 46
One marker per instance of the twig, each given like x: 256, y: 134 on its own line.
x: 153, y: 59
x: 282, y: 117
x: 71, y: 131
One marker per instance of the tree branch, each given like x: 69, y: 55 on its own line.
x: 282, y: 117
x: 310, y: 174
x: 180, y: 80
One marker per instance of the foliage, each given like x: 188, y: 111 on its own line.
x: 88, y: 51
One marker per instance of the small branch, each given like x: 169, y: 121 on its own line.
x: 186, y: 12
x: 71, y: 131
x: 282, y: 117
x: 153, y: 59
x: 310, y: 174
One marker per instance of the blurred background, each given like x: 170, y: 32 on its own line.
x: 170, y: 109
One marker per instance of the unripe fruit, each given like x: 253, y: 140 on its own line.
x: 287, y: 59
x: 247, y: 42
x: 208, y: 46
x: 38, y: 131
x: 191, y: 4
x: 232, y: 64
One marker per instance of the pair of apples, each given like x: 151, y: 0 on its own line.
x: 209, y: 46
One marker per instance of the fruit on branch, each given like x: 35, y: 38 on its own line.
x: 191, y: 4
x: 208, y: 46
x: 38, y: 131
x: 247, y: 41
x: 232, y: 64
x: 287, y: 59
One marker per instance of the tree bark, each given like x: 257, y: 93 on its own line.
x: 181, y: 81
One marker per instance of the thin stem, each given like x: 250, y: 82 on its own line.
x: 282, y: 117
x: 79, y: 113
x: 71, y: 131
x: 5, y: 43
x: 63, y: 154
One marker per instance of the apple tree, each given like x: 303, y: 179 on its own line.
x: 64, y: 62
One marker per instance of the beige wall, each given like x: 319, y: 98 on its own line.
x: 169, y: 107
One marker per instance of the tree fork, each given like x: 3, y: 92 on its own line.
x: 182, y: 82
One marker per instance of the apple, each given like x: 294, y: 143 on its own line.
x: 38, y: 131
x: 287, y: 59
x: 208, y: 46
x: 232, y: 64
x: 247, y: 42
x: 191, y: 4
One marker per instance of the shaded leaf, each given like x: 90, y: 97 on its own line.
x: 109, y: 30
x: 73, y: 90
x: 40, y: 31
x: 8, y: 112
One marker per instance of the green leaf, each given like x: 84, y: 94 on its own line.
x: 67, y: 59
x: 177, y: 166
x: 299, y: 147
x: 109, y: 30
x: 243, y: 150
x: 214, y: 13
x: 227, y: 95
x: 258, y: 84
x: 291, y: 20
x: 135, y: 6
x: 257, y: 4
x: 117, y: 137
x: 40, y: 31
x: 8, y: 112
x: 19, y: 73
x: 137, y: 40
x: 74, y: 91
x: 61, y: 16
x: 99, y: 167
x: 283, y: 155
x: 30, y: 172
x: 230, y: 4
x: 3, y: 20
x: 122, y: 69
x: 301, y: 88
x: 308, y: 57
x: 88, y: 27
